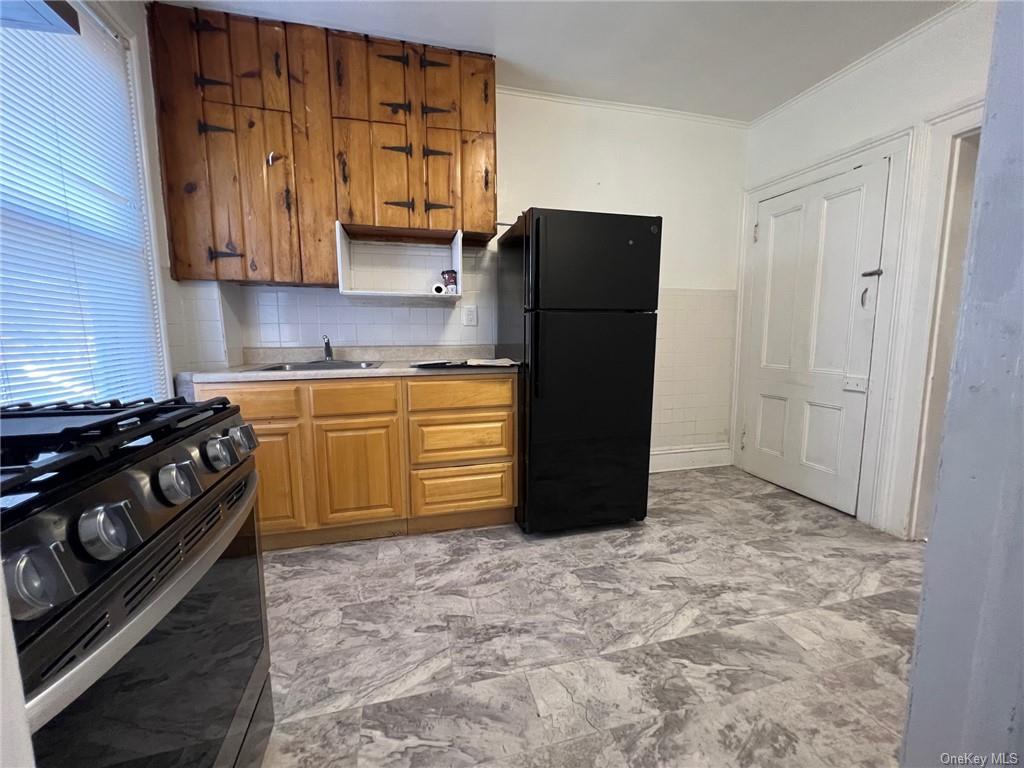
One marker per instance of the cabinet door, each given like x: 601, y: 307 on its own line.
x: 282, y: 487
x: 182, y: 151
x: 479, y: 204
x: 349, y: 79
x: 441, y: 88
x: 462, y: 489
x: 359, y: 469
x: 312, y: 138
x: 386, y: 63
x: 414, y: 129
x: 477, y: 93
x: 391, y: 152
x: 353, y: 171
x: 274, y: 65
x: 245, y: 61
x: 214, y: 56
x: 443, y: 158
x: 227, y: 250
x: 284, y: 224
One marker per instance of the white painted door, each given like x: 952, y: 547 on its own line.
x: 812, y: 288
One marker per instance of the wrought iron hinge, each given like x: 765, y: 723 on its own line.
x: 410, y: 204
x: 405, y: 149
x: 397, y: 106
x: 204, y: 25
x: 339, y: 73
x: 425, y: 62
x: 288, y: 199
x: 487, y: 179
x: 343, y: 167
x: 204, y: 81
x: 428, y: 152
x: 426, y: 109
x: 429, y: 206
x: 223, y: 254
x: 487, y: 91
x: 277, y: 63
x: 208, y: 128
x: 755, y: 231
x: 402, y: 59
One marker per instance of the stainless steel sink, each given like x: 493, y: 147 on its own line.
x: 322, y: 365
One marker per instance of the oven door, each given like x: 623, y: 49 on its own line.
x: 188, y: 669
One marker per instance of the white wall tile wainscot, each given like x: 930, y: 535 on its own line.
x: 693, y: 377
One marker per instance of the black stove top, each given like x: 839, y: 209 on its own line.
x: 44, y: 448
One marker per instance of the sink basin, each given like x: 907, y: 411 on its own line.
x: 322, y: 365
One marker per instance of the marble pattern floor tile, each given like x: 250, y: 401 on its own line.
x: 739, y: 624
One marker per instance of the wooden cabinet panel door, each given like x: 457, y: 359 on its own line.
x: 477, y: 93
x: 214, y: 56
x: 443, y: 158
x: 182, y: 150
x: 441, y: 76
x: 228, y: 247
x: 359, y: 469
x: 414, y: 130
x: 479, y: 204
x: 353, y: 171
x: 245, y: 61
x: 391, y: 151
x: 274, y: 65
x: 386, y: 64
x: 282, y: 488
x: 349, y: 78
x: 312, y: 139
x: 284, y: 224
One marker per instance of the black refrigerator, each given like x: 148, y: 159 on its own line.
x: 577, y: 302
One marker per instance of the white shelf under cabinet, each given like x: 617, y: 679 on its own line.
x: 347, y: 284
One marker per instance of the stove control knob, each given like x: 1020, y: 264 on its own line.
x: 103, y: 530
x: 220, y: 453
x: 244, y: 438
x: 29, y: 588
x: 178, y: 482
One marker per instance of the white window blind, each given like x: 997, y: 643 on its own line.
x: 78, y: 304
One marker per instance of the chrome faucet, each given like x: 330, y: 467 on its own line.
x: 328, y: 352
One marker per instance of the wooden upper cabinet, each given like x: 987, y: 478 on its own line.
x: 274, y: 65
x: 477, y: 92
x: 227, y: 251
x: 312, y: 139
x: 443, y: 157
x: 387, y: 61
x: 479, y: 199
x: 348, y: 75
x: 391, y: 152
x: 441, y: 81
x: 246, y: 77
x: 353, y: 171
x: 214, y: 75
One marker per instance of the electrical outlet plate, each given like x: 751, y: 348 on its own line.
x: 469, y: 316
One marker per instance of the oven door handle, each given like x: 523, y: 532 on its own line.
x: 50, y: 701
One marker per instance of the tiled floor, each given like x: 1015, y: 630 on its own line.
x: 738, y: 625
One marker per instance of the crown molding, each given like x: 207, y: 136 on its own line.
x: 878, y: 53
x: 673, y: 114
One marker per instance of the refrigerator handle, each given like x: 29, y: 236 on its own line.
x: 535, y: 246
x: 534, y: 353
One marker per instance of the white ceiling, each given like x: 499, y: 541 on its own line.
x: 733, y: 60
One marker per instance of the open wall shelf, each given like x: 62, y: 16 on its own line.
x: 368, y: 269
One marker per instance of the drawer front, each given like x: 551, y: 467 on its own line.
x: 462, y: 489
x: 274, y: 402
x: 443, y: 393
x: 439, y: 438
x: 351, y: 398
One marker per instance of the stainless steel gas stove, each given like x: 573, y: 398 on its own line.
x: 133, y: 574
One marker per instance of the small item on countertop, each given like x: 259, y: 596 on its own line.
x: 438, y: 289
x: 495, y: 362
x: 440, y: 364
x: 451, y: 281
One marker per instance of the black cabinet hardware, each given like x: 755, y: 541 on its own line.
x: 872, y: 273
x: 425, y: 62
x: 203, y: 81
x: 427, y: 109
x: 429, y: 152
x: 429, y: 206
x: 402, y: 59
x: 204, y: 25
x: 405, y: 149
x: 397, y: 106
x: 223, y: 254
x: 209, y: 128
x: 410, y: 204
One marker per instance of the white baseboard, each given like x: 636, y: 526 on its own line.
x: 691, y: 457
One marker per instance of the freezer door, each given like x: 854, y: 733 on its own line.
x: 590, y: 380
x: 593, y: 261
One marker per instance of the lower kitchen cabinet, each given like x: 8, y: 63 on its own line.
x: 284, y: 484
x: 462, y: 489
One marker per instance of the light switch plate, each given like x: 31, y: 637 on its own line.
x: 469, y: 314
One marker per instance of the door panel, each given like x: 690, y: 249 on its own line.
x: 353, y: 171
x: 414, y: 129
x: 461, y: 489
x: 225, y: 191
x: 274, y: 65
x: 441, y: 79
x: 479, y: 204
x: 589, y: 428
x: 349, y: 78
x: 809, y: 324
x: 245, y: 61
x: 444, y: 179
x: 386, y: 65
x: 477, y: 93
x: 214, y: 56
x: 391, y: 201
x: 284, y: 224
x: 252, y: 166
x: 282, y: 488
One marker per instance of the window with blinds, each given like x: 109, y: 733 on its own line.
x: 79, y: 318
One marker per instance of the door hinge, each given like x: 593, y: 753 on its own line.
x: 397, y: 106
x: 405, y: 149
x: 343, y: 167
x: 410, y: 204
x: 425, y: 62
x: 203, y: 81
x: 402, y: 59
x: 339, y: 73
x: 429, y: 152
x: 223, y: 254
x: 429, y: 206
x: 426, y: 109
x: 487, y: 179
x: 755, y: 231
x: 208, y: 128
x: 203, y: 25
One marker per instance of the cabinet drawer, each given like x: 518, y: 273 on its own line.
x: 354, y: 397
x: 462, y: 489
x: 276, y: 402
x: 443, y: 393
x: 438, y: 438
